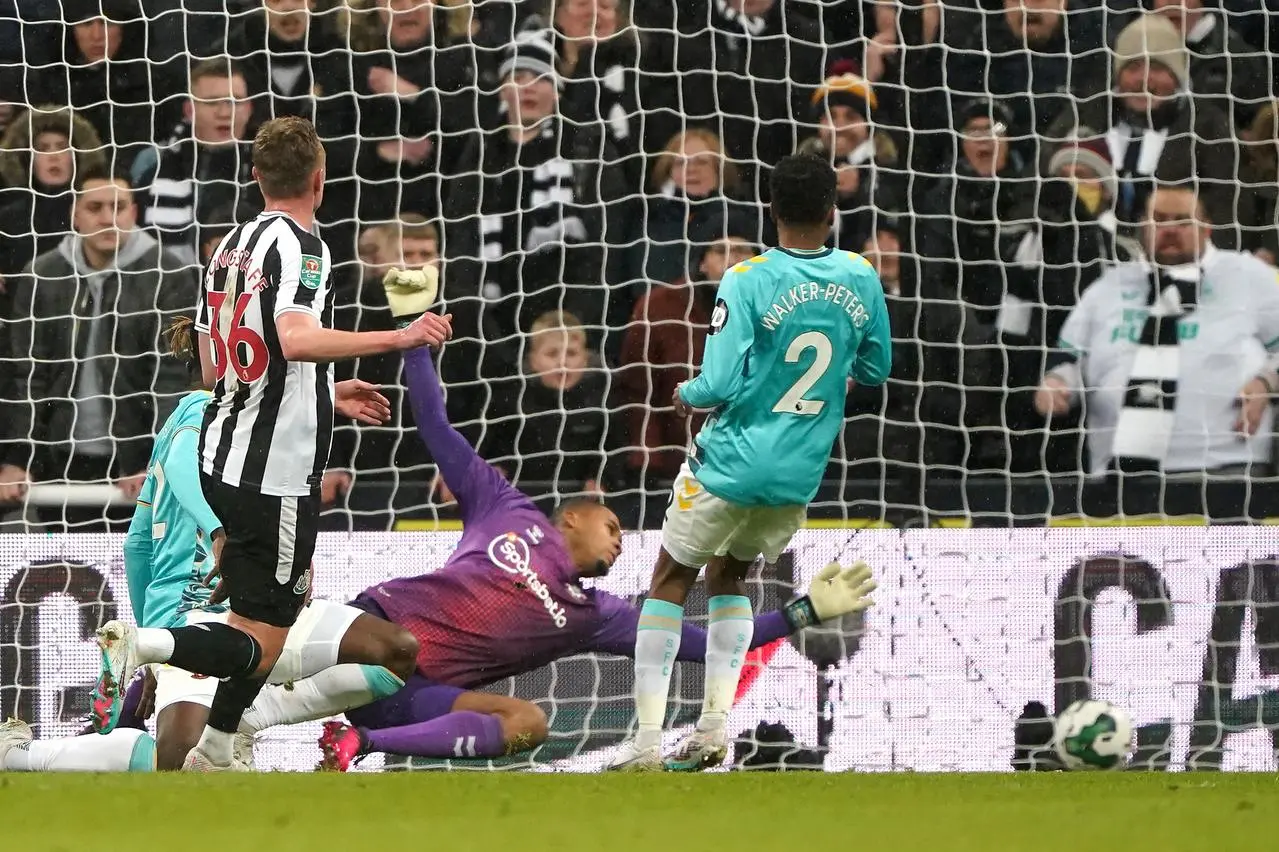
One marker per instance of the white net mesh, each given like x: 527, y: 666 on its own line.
x: 585, y: 170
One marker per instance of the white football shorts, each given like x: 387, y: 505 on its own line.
x: 312, y: 645
x: 700, y: 525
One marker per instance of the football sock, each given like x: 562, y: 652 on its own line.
x: 209, y: 648
x: 461, y: 734
x: 656, y: 646
x: 728, y: 638
x: 155, y: 644
x: 332, y: 691
x: 122, y: 750
x: 229, y: 703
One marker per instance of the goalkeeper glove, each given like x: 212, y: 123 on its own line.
x: 410, y: 292
x: 835, y: 591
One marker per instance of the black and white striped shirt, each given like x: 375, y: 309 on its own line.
x: 270, y: 422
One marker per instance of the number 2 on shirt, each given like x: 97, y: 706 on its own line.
x: 239, y: 342
x: 157, y: 527
x: 793, y: 402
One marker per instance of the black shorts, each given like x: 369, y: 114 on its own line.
x: 266, y: 561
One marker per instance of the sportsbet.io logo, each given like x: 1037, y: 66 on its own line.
x: 510, y: 552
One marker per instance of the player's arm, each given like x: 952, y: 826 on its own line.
x: 619, y: 621
x: 299, y: 305
x: 208, y: 367
x: 469, y: 477
x: 730, y: 337
x: 138, y: 548
x: 302, y: 338
x: 874, y: 360
x: 182, y: 479
x: 835, y: 591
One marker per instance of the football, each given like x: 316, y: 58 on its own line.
x: 1093, y: 735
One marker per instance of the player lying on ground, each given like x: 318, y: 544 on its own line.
x: 123, y: 750
x: 508, y: 600
x: 166, y: 556
x: 790, y: 329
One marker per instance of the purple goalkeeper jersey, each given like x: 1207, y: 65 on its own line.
x: 507, y: 600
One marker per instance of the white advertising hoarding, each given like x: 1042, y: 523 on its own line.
x: 969, y: 626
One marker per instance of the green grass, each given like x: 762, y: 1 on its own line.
x: 462, y: 811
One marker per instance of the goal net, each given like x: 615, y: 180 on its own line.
x: 584, y: 172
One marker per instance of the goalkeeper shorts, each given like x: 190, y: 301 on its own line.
x: 700, y: 525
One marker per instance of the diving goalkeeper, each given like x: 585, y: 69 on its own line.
x: 508, y: 600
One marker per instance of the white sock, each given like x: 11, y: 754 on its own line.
x: 155, y: 645
x: 216, y: 745
x: 727, y: 640
x: 656, y: 646
x: 122, y: 750
x: 326, y: 694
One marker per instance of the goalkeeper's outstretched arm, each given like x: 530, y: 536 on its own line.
x: 620, y: 620
x: 467, y: 475
x: 835, y: 591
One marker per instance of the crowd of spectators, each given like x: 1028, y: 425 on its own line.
x: 584, y: 171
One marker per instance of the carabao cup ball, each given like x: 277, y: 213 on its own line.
x: 1093, y: 735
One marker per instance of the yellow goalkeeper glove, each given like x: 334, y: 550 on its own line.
x: 834, y: 592
x: 411, y: 292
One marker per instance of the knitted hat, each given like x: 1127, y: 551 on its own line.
x: 844, y: 87
x: 532, y: 50
x: 119, y: 11
x: 1155, y: 38
x: 1093, y: 154
x: 996, y: 111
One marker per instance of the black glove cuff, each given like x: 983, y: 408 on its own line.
x: 800, y: 614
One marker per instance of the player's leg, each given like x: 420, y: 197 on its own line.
x: 125, y: 750
x: 728, y: 637
x: 368, y: 658
x: 328, y: 633
x: 266, y: 567
x: 178, y: 728
x: 182, y: 702
x: 697, y: 526
x: 334, y: 632
x: 428, y: 720
x: 269, y: 541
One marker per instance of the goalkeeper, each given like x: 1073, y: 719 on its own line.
x: 507, y: 601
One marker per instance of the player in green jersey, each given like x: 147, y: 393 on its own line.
x: 790, y: 329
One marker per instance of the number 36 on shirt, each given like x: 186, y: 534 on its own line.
x: 243, y: 348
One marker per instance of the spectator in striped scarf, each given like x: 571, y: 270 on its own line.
x: 203, y: 166
x: 528, y: 217
x: 1176, y: 358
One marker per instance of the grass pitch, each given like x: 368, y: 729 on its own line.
x: 602, y: 813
